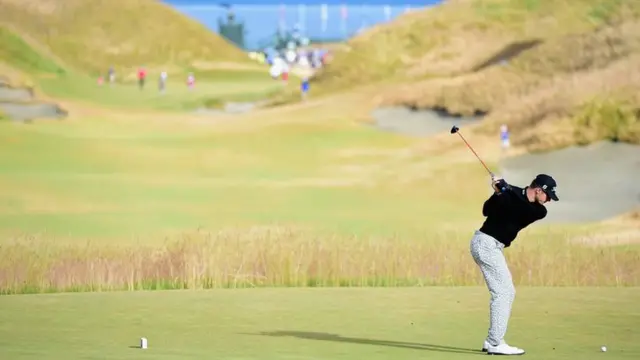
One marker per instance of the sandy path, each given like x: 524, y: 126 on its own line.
x: 405, y: 121
x: 31, y: 111
x: 596, y: 182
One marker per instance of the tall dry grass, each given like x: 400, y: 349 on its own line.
x: 455, y: 36
x: 559, y: 93
x: 292, y: 258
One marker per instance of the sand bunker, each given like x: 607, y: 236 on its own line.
x: 595, y: 182
x: 32, y: 111
x: 18, y: 104
x: 11, y: 94
x: 406, y: 121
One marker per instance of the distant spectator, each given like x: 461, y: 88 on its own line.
x: 278, y: 68
x: 324, y: 57
x: 317, y: 58
x: 162, y: 82
x: 291, y: 56
x: 303, y: 61
x: 504, y: 137
x: 285, y: 72
x: 304, y: 88
x: 112, y: 75
x: 275, y: 71
x: 191, y: 80
x: 142, y: 75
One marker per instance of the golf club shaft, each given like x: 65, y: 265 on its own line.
x: 474, y: 153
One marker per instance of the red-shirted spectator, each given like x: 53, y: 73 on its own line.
x: 142, y: 75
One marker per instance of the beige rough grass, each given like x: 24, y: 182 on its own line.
x: 551, y: 86
x: 293, y: 257
x: 454, y: 37
x: 615, y: 238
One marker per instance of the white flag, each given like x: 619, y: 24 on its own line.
x: 302, y: 16
x: 387, y: 12
x: 324, y: 16
x: 343, y: 24
x: 283, y: 16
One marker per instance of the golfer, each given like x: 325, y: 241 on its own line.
x: 508, y: 210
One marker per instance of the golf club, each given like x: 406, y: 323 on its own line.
x: 456, y: 130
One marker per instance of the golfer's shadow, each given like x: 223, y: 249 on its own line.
x: 341, y: 339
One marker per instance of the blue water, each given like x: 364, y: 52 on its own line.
x: 262, y: 19
x: 308, y: 2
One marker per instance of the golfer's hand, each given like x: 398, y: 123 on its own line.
x: 498, y: 184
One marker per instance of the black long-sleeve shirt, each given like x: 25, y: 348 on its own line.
x: 508, y: 213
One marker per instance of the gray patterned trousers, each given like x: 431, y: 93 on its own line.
x: 487, y: 253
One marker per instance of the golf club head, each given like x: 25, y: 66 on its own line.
x: 454, y: 129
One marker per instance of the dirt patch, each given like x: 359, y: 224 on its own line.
x: 595, y: 182
x: 407, y: 121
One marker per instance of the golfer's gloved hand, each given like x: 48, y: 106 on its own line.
x: 499, y: 185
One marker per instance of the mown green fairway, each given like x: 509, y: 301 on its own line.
x: 210, y: 87
x: 107, y: 177
x: 414, y: 323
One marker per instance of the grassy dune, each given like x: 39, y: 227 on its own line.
x: 50, y: 56
x: 575, y: 89
x: 457, y: 36
x: 571, y: 69
x: 20, y: 63
x: 93, y: 35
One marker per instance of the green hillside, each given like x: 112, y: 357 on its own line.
x: 92, y: 35
x: 16, y: 53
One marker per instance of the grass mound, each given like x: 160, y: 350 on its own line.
x: 567, y: 66
x: 18, y: 54
x: 576, y: 89
x: 455, y: 37
x: 93, y: 35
